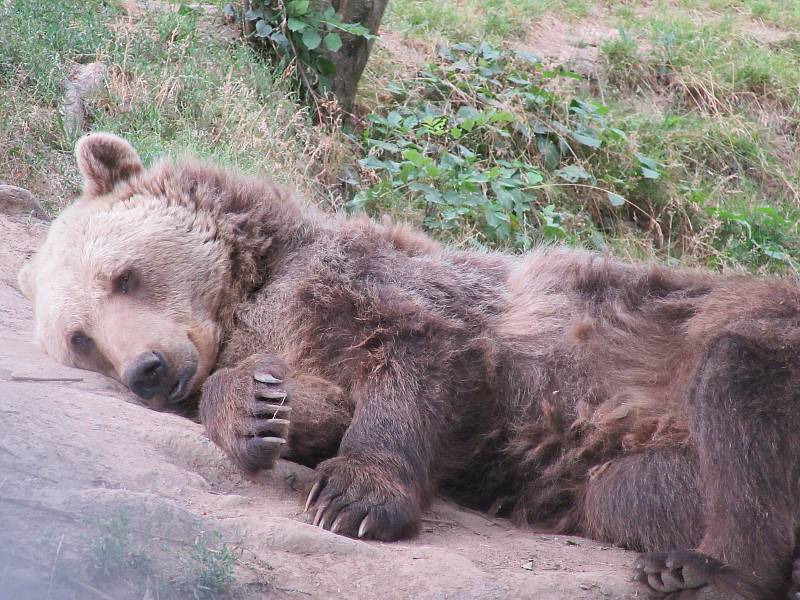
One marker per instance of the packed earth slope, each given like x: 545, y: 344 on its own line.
x: 101, y: 497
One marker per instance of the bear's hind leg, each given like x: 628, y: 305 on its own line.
x: 722, y: 518
x: 649, y: 501
x: 744, y: 417
x: 652, y: 502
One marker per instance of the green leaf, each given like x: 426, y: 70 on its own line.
x: 297, y: 8
x: 351, y: 28
x: 464, y: 47
x: 533, y: 177
x: 415, y: 157
x: 776, y: 254
x: 616, y: 134
x: 385, y: 146
x: 650, y: 173
x: 587, y: 140
x: 371, y: 162
x: 529, y: 56
x: 550, y: 152
x: 326, y: 66
x: 280, y: 39
x: 572, y: 173
x: 477, y: 177
x: 433, y: 197
x: 296, y: 24
x: 311, y: 39
x: 394, y: 118
x: 262, y: 29
x: 646, y: 161
x: 488, y: 52
x: 615, y: 199
x: 333, y: 41
x: 465, y: 152
x: 502, y: 116
x: 358, y: 202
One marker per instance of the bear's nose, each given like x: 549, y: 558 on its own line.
x: 148, y: 375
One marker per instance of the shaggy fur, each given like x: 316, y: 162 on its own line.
x: 648, y: 407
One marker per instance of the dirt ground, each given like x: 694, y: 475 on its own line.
x: 77, y: 450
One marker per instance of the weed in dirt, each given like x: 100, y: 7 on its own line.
x: 477, y: 141
x: 716, y: 62
x: 207, y: 571
x: 178, y: 81
x: 624, y: 63
x: 486, y: 148
x: 112, y: 550
x: 115, y: 553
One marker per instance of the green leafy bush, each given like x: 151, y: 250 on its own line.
x: 480, y: 141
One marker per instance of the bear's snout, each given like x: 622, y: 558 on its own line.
x: 149, y: 376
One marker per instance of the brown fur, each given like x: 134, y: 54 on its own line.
x: 644, y: 406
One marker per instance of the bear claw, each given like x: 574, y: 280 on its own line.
x: 265, y: 409
x: 356, y: 497
x: 691, y: 574
x: 271, y: 394
x: 312, y: 495
x: 266, y: 378
x: 362, y: 529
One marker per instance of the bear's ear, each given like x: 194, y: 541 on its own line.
x: 26, y: 279
x: 105, y: 160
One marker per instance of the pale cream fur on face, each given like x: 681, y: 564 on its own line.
x: 177, y: 264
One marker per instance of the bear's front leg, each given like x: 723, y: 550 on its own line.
x: 245, y: 410
x: 383, y: 475
x: 367, y: 495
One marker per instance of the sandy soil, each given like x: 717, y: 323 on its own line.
x: 574, y: 44
x: 77, y: 451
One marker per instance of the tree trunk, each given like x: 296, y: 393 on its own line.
x: 352, y: 57
x: 248, y: 27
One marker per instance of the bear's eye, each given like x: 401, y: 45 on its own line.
x: 80, y: 341
x: 124, y: 283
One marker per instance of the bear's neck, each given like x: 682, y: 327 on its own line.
x: 258, y: 221
x: 261, y: 233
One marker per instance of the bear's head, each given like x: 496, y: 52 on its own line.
x: 132, y: 276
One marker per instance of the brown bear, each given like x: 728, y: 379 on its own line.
x: 653, y: 408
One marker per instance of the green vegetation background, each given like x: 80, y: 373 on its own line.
x: 676, y: 140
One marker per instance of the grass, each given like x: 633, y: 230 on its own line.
x: 727, y: 57
x: 709, y: 90
x: 176, y: 82
x: 115, y: 554
x: 726, y: 86
x: 775, y: 12
x: 474, y: 20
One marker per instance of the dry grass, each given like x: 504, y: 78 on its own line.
x: 178, y: 81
